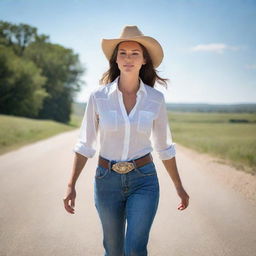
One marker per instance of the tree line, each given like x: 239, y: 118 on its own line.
x: 38, y: 79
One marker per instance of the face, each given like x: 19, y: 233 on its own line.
x: 130, y: 57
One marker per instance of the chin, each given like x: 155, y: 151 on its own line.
x: 129, y: 70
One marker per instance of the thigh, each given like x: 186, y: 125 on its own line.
x: 141, y: 208
x: 111, y: 210
x: 108, y: 195
x: 112, y: 217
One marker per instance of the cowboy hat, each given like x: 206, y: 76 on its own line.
x: 132, y: 33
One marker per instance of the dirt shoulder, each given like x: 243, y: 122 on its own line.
x: 243, y: 182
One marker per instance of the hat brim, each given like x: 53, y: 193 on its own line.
x: 153, y: 47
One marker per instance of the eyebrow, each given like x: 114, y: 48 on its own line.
x: 132, y: 50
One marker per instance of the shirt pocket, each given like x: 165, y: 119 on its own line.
x: 145, y: 121
x: 109, y: 120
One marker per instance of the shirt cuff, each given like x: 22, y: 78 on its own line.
x: 168, y: 153
x: 84, y: 150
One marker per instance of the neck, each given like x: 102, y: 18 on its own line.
x: 128, y: 84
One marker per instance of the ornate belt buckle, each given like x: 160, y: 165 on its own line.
x: 123, y: 167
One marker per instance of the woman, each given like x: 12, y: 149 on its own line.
x: 126, y: 110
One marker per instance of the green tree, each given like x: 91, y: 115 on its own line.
x: 17, y: 36
x: 31, y: 62
x: 21, y: 82
x: 63, y: 71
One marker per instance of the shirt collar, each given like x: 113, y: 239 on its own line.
x: 114, y: 86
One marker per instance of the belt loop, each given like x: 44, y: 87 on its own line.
x: 109, y: 165
x: 135, y: 166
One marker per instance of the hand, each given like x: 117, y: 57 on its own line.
x: 184, y: 198
x: 71, y: 195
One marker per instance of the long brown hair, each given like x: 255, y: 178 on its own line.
x: 148, y: 73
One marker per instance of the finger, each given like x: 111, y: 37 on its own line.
x: 67, y: 206
x: 73, y: 202
x: 180, y: 206
x: 69, y: 209
x: 70, y: 206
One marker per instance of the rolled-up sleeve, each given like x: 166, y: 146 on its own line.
x: 87, y: 139
x: 161, y: 133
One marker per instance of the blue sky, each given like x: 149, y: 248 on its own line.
x: 209, y: 45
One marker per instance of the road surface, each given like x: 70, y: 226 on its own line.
x: 33, y: 222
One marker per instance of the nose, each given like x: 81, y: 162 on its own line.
x: 128, y: 56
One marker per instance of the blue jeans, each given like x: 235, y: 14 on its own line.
x: 134, y: 197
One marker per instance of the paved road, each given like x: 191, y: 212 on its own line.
x: 33, y: 222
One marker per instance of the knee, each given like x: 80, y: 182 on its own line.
x: 136, y: 248
x: 113, y: 246
x: 137, y: 253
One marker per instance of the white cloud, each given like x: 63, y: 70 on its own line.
x: 218, y: 48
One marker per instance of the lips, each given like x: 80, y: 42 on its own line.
x: 128, y: 65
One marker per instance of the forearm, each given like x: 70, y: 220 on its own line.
x: 78, y: 165
x: 172, y: 170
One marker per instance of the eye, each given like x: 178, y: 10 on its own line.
x: 135, y: 53
x: 122, y: 53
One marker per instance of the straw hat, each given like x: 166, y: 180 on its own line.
x: 132, y: 33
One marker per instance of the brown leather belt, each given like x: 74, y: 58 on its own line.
x: 125, y: 166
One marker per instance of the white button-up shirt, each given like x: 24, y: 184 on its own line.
x: 123, y: 136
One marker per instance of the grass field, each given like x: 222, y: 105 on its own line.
x: 19, y: 131
x: 217, y: 134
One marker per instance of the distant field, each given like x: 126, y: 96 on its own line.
x: 229, y: 136
x: 19, y: 131
x: 219, y: 134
